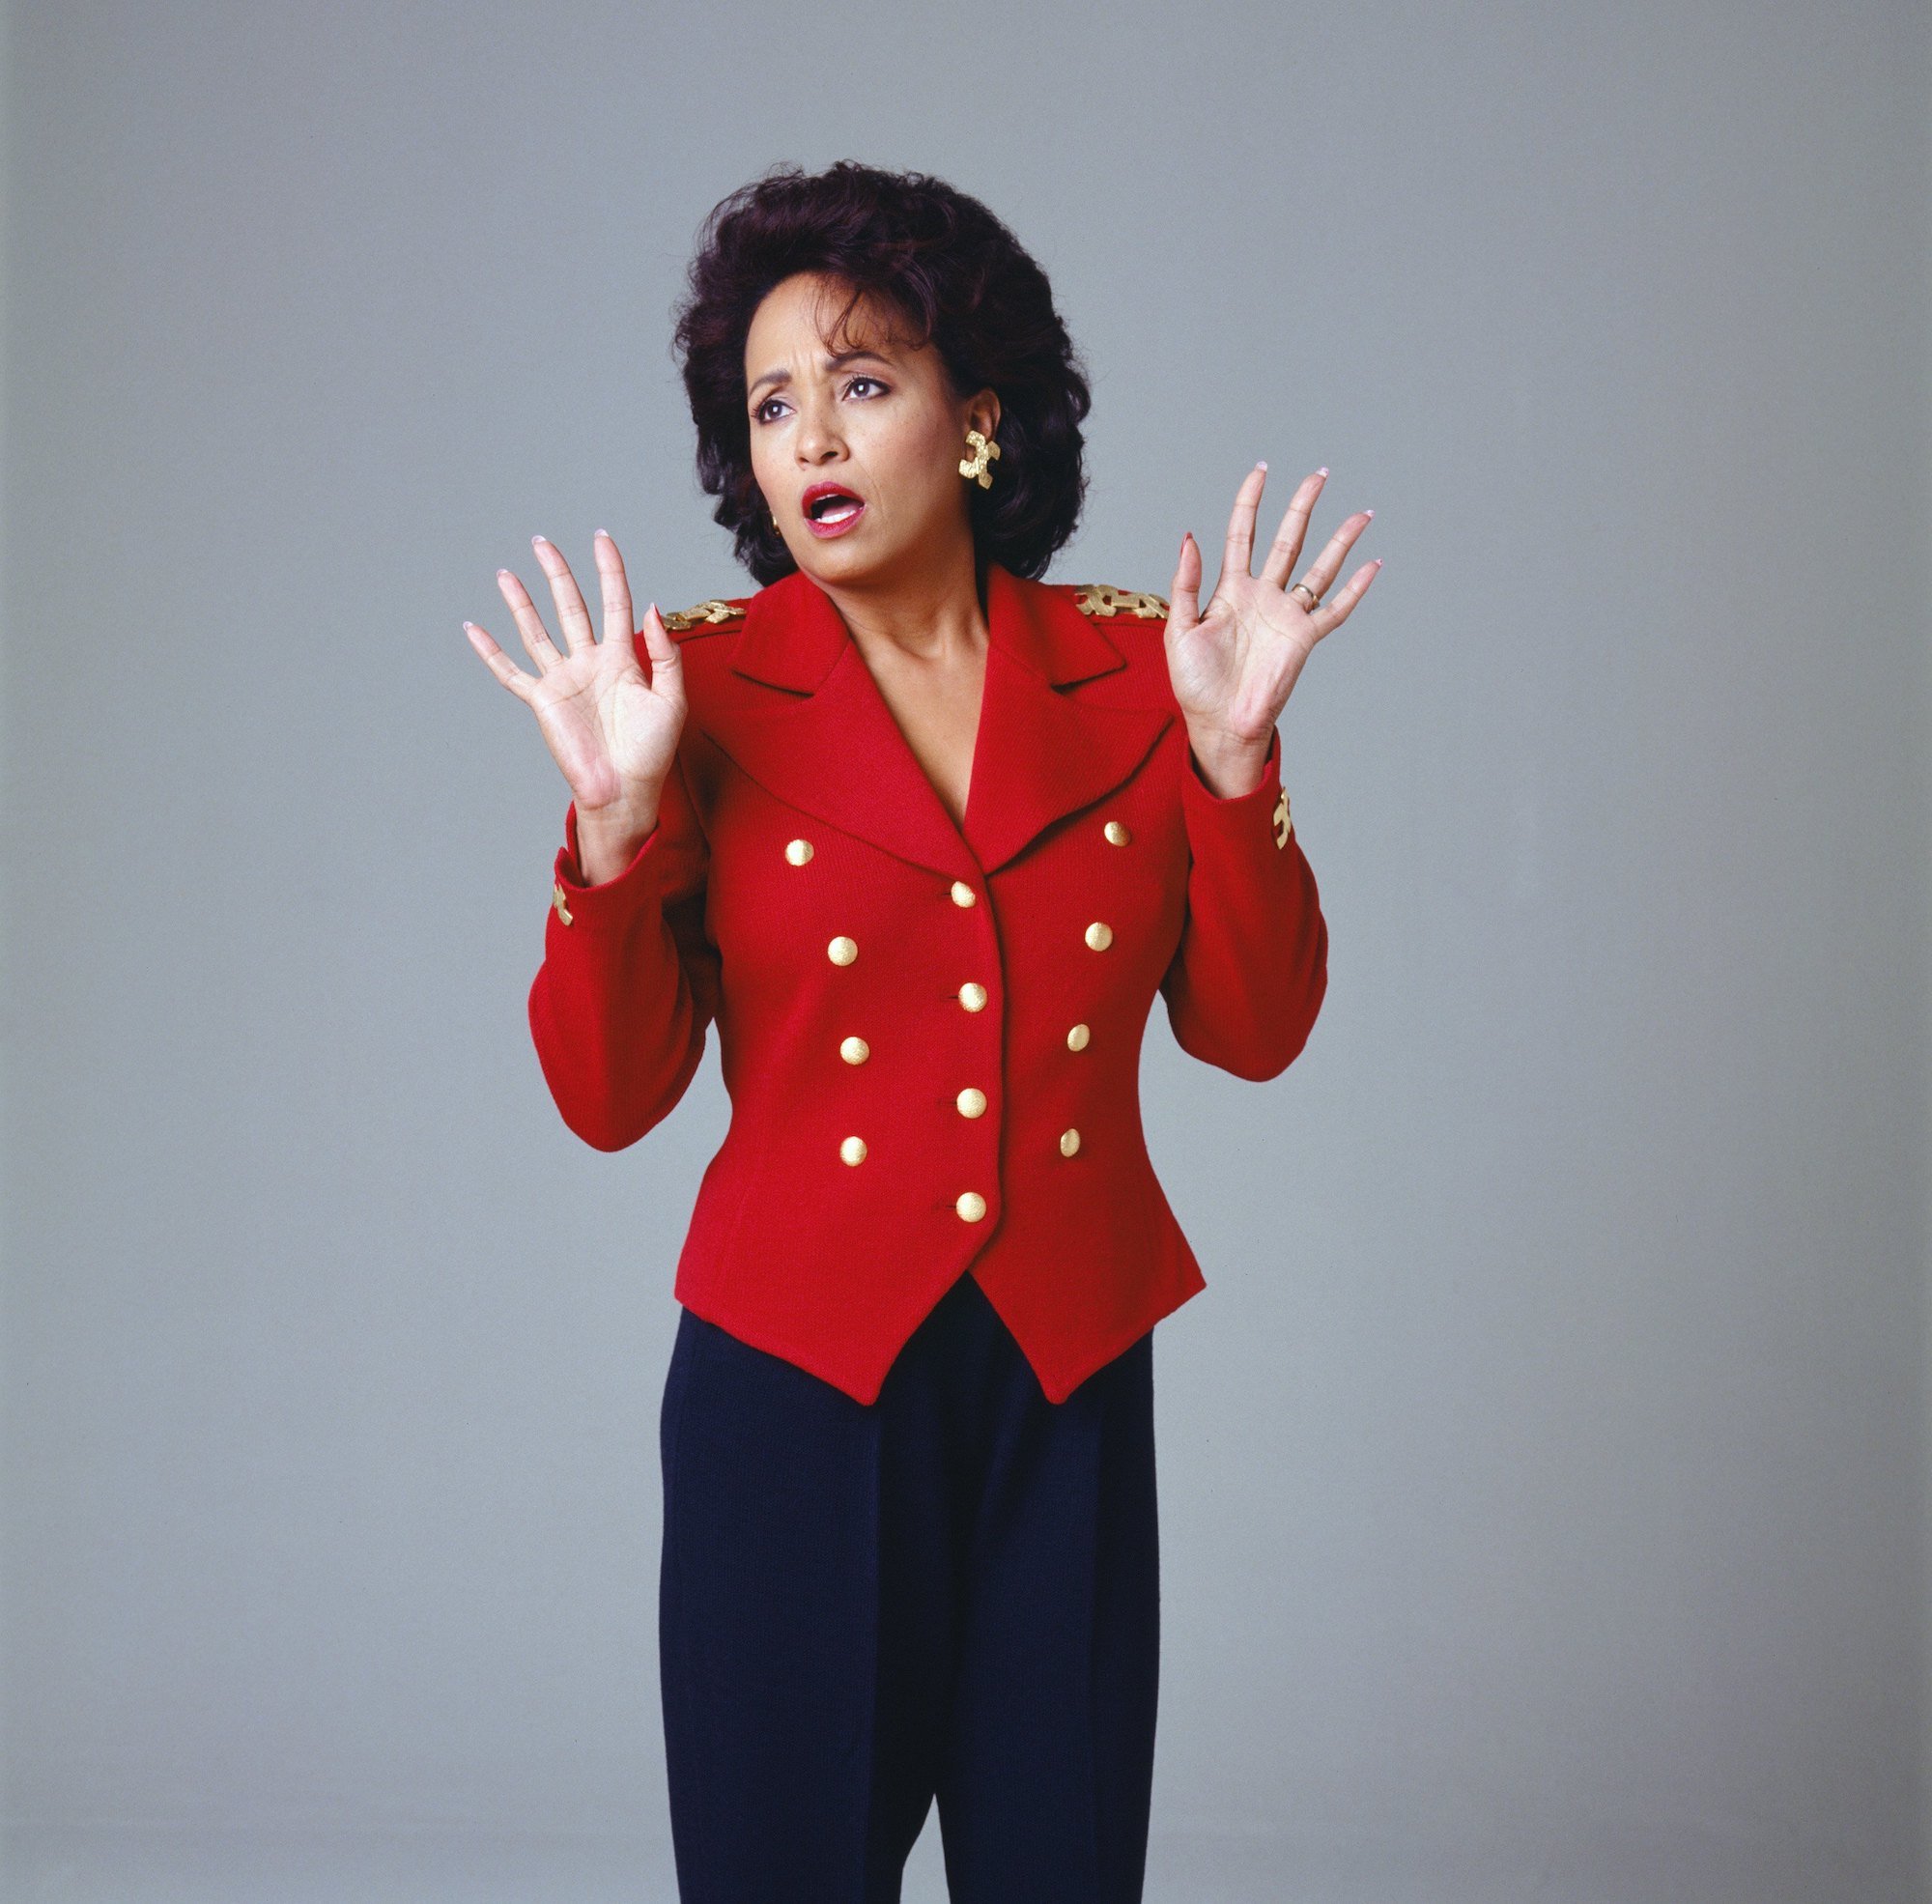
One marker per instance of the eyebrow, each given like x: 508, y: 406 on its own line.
x: 777, y: 379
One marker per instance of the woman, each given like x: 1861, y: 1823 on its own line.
x: 924, y: 835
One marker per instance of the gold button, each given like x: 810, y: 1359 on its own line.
x: 1076, y: 1038
x: 972, y: 996
x: 798, y: 851
x: 972, y: 1206
x: 1070, y: 1142
x: 1117, y: 833
x: 963, y: 895
x: 854, y: 1050
x: 1099, y: 935
x: 853, y: 1150
x: 557, y: 899
x: 1283, y: 825
x: 972, y: 1103
x: 842, y: 951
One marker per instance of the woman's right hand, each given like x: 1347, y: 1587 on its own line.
x: 612, y: 732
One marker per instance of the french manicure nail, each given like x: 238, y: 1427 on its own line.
x: 1260, y: 466
x: 539, y: 540
x: 1322, y: 471
x: 1368, y: 512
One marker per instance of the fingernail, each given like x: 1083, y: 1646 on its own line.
x: 605, y: 533
x: 1368, y: 512
x: 1260, y: 466
x: 501, y: 573
x: 470, y: 624
x: 1322, y: 471
x: 539, y: 540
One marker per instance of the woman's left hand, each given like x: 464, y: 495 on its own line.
x: 1233, y: 664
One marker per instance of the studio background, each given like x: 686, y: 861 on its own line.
x: 1543, y: 1470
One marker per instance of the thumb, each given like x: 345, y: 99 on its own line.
x: 1184, y: 596
x: 666, y: 669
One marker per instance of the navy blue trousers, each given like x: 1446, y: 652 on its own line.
x: 952, y: 1595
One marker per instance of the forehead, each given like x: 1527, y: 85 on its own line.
x: 808, y: 309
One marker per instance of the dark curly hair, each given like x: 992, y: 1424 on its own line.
x: 953, y: 277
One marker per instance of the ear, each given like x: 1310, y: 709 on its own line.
x: 983, y: 413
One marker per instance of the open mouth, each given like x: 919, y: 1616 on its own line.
x: 829, y: 508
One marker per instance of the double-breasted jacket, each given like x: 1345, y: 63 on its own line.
x: 929, y: 1032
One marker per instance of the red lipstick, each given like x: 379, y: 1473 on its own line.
x: 836, y: 516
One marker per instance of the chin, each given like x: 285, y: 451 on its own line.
x: 845, y: 561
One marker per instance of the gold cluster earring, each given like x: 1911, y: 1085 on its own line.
x: 974, y: 467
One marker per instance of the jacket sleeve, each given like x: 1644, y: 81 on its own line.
x: 1246, y: 982
x: 629, y: 983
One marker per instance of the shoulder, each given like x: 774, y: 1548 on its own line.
x: 697, y: 631
x: 712, y: 617
x: 1135, y: 622
x: 706, y: 635
x: 1105, y: 601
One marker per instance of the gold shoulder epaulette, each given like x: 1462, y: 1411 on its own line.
x: 1101, y: 599
x: 681, y: 619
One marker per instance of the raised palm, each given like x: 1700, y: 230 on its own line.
x: 611, y: 730
x: 1234, y: 664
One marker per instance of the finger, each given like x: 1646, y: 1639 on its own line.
x: 1333, y: 615
x: 572, y: 616
x: 1328, y: 564
x: 1184, y: 594
x: 498, y: 662
x: 666, y: 659
x: 616, y: 586
x: 1239, y: 548
x: 537, y: 644
x: 1286, y: 547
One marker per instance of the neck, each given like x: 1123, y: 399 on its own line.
x: 931, y: 609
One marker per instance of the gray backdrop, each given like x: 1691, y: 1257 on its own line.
x: 1544, y: 1471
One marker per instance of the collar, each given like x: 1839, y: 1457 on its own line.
x: 832, y: 748
x: 793, y: 635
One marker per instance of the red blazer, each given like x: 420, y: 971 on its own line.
x: 931, y: 1034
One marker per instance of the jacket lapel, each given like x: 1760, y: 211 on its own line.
x: 1046, y: 753
x: 828, y: 745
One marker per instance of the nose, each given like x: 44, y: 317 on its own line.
x: 817, y: 438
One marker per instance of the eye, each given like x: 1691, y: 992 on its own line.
x: 758, y: 416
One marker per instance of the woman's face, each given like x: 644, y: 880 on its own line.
x: 868, y: 423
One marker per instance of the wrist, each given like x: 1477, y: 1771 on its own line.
x: 1229, y: 764
x: 607, y: 838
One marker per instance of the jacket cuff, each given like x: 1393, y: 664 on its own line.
x: 1236, y: 815
x: 578, y: 904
